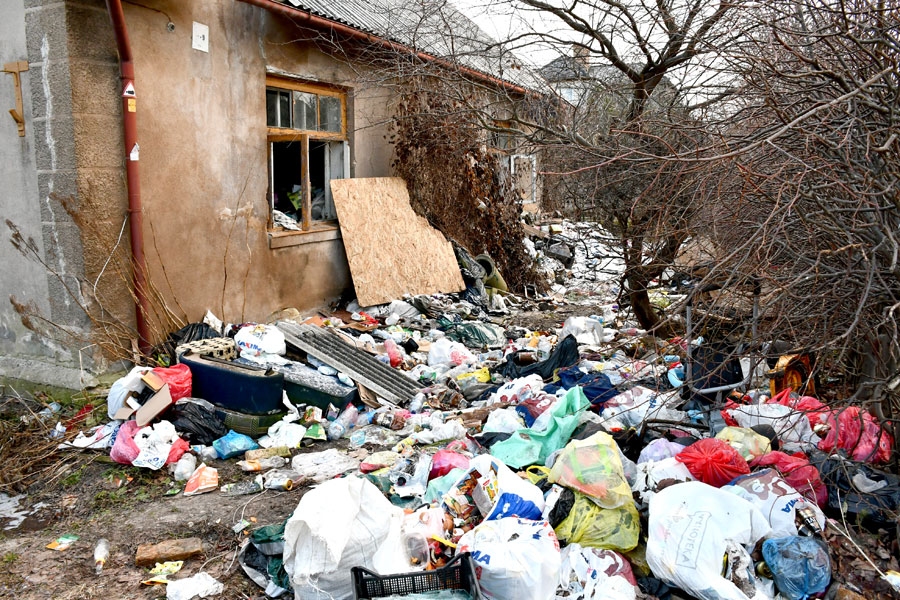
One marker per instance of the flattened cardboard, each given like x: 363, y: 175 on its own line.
x: 154, y: 407
x: 391, y: 250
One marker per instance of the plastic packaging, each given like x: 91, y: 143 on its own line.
x: 417, y: 403
x: 747, y: 442
x: 185, y: 467
x: 445, y: 461
x: 860, y: 434
x: 415, y: 485
x: 101, y: 554
x: 416, y: 548
x: 593, y: 467
x: 798, y: 472
x: 204, y: 479
x: 491, y: 490
x: 271, y: 462
x: 241, y: 488
x: 232, y: 444
x: 179, y: 379
x: 577, y: 519
x: 713, y: 461
x: 800, y: 566
x: 393, y: 351
x: 339, y: 427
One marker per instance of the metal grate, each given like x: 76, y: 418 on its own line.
x: 330, y: 348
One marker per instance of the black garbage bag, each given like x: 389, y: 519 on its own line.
x: 165, y: 351
x: 715, y: 365
x: 196, y: 420
x: 565, y: 354
x: 874, y: 509
x: 473, y: 276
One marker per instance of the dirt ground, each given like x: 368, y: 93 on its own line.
x: 128, y: 506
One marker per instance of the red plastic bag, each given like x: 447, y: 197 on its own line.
x: 857, y: 432
x: 814, y: 410
x: 124, y: 450
x: 445, y: 461
x: 179, y: 379
x: 798, y: 472
x: 713, y: 461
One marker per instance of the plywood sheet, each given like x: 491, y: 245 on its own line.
x: 392, y: 251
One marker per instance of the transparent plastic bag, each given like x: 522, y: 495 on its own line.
x: 593, y: 467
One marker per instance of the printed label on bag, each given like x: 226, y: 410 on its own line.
x: 691, y: 540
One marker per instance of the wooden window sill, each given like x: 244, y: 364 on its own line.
x: 318, y: 232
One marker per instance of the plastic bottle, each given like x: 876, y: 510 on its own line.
x: 272, y: 462
x: 101, y: 554
x: 393, y: 352
x: 339, y: 427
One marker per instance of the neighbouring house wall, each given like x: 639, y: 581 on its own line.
x: 61, y: 157
x: 203, y: 151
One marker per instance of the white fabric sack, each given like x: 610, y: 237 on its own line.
x: 515, y: 558
x: 689, y: 529
x: 340, y: 524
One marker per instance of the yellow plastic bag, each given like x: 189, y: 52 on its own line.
x: 589, y: 525
x: 747, y: 442
x: 593, y: 467
x: 481, y: 375
x: 537, y: 474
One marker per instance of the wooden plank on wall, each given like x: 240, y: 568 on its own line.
x: 391, y: 250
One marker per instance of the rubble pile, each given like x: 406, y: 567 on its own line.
x: 441, y: 450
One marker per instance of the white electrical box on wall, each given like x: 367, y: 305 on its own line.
x: 200, y: 37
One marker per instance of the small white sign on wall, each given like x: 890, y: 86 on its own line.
x: 200, y: 37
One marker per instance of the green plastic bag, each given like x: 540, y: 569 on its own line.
x: 439, y: 486
x: 589, y: 525
x: 592, y: 466
x: 528, y: 447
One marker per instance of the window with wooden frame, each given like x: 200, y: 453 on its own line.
x: 307, y: 148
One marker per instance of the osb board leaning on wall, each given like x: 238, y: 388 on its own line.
x: 391, y: 250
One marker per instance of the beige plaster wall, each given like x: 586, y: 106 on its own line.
x: 202, y: 135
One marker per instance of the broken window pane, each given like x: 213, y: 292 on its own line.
x: 304, y: 111
x: 330, y: 113
x: 278, y: 108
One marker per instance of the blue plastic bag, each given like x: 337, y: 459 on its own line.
x: 800, y: 565
x: 233, y: 443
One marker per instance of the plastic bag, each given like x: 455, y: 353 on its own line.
x: 576, y: 519
x: 529, y: 446
x: 257, y: 342
x: 587, y: 331
x: 515, y: 558
x: 283, y: 433
x: 651, y: 474
x: 772, y: 495
x: 874, y: 510
x: 489, y: 489
x: 798, y: 472
x: 179, y: 379
x: 503, y: 421
x: 121, y: 388
x: 565, y: 354
x: 860, y: 434
x: 690, y: 526
x: 594, y: 574
x: 659, y: 449
x: 800, y: 566
x: 517, y: 390
x: 197, y: 420
x: 815, y: 411
x: 445, y: 351
x: 713, y: 461
x: 202, y: 585
x: 593, y: 467
x: 791, y: 426
x: 185, y: 467
x: 747, y: 442
x: 124, y: 450
x: 639, y: 404
x: 337, y: 525
x: 233, y: 444
x: 445, y: 461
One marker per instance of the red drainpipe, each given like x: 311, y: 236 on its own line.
x: 135, y: 210
x: 297, y: 15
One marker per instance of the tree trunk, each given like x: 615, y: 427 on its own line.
x: 644, y: 311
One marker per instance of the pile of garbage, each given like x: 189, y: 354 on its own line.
x: 503, y: 463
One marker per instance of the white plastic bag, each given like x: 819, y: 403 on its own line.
x: 340, y: 524
x: 517, y: 390
x: 587, y: 331
x: 650, y: 473
x: 202, y: 585
x: 185, y: 467
x: 118, y: 392
x: 515, y: 558
x: 506, y: 420
x: 260, y: 342
x: 444, y: 351
x: 594, y: 574
x: 791, y: 426
x: 689, y: 530
x: 283, y: 433
x: 154, y: 443
x: 775, y: 498
x: 640, y: 403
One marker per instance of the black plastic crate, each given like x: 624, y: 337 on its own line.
x: 458, y: 574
